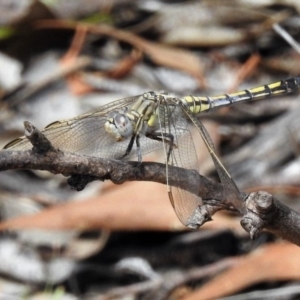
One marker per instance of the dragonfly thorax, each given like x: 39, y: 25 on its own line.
x: 118, y: 125
x: 141, y: 117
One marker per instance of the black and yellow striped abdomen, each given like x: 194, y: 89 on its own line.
x: 200, y: 104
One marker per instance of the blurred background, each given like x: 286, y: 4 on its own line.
x: 59, y: 59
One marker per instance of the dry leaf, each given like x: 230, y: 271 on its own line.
x: 132, y: 206
x: 276, y: 262
x: 162, y: 55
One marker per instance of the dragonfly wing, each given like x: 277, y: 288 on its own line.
x: 86, y: 135
x: 183, y: 154
x: 231, y: 191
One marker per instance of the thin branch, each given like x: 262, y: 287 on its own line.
x: 262, y: 210
x: 266, y: 212
x: 78, y: 166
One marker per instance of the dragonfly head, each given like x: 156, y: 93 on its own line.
x: 118, y: 125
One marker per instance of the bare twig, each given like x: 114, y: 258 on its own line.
x: 262, y: 210
x: 40, y: 143
x: 287, y: 37
x: 266, y: 212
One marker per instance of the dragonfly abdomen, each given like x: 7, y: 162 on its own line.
x: 200, y: 104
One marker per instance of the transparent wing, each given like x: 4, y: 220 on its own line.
x: 231, y: 191
x: 183, y: 154
x: 86, y: 135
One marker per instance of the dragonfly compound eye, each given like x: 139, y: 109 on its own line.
x: 119, y: 126
x: 124, y: 125
x: 111, y: 128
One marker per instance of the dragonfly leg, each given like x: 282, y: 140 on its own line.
x: 129, y: 147
x: 138, y: 147
x: 135, y: 137
x: 167, y: 138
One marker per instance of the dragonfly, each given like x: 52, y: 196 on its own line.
x: 134, y: 126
